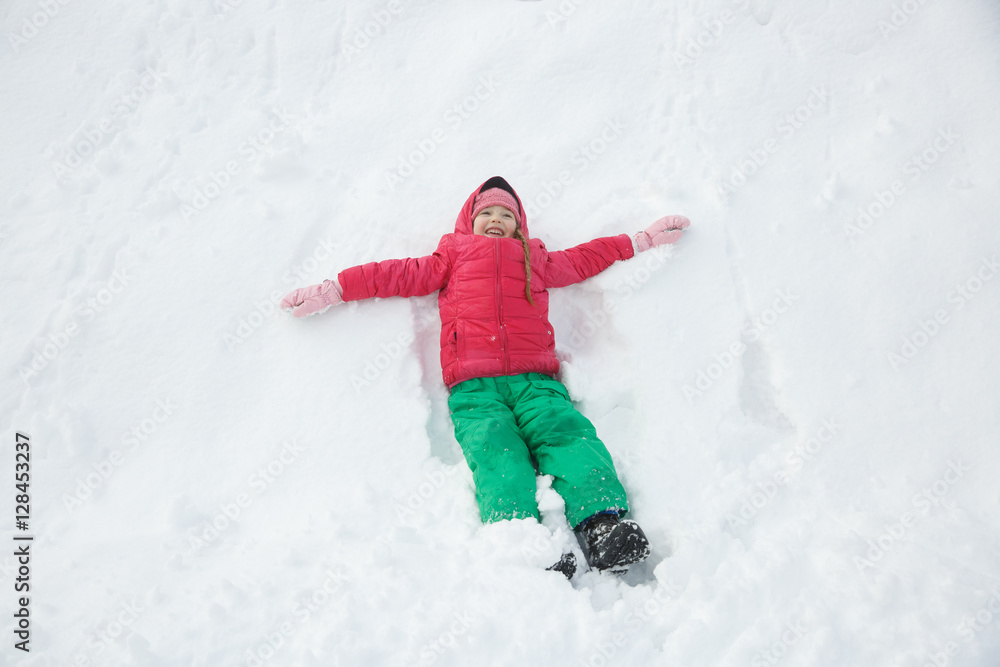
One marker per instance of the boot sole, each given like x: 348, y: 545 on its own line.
x: 566, y: 565
x: 627, y: 544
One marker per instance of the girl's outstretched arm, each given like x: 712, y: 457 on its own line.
x: 392, y: 277
x: 398, y: 277
x: 573, y: 265
x: 568, y: 267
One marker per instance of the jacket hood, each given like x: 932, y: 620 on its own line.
x: 464, y: 223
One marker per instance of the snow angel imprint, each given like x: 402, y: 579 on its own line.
x: 498, y: 359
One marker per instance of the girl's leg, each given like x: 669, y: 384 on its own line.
x: 566, y: 446
x: 495, y: 451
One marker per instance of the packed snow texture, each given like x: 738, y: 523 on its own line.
x: 800, y: 396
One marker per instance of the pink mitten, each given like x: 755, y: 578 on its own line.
x: 313, y: 299
x: 664, y: 230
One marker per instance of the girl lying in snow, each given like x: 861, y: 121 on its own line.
x: 498, y: 358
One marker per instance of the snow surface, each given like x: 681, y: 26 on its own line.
x: 801, y: 400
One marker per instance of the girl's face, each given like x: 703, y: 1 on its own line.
x: 496, y: 221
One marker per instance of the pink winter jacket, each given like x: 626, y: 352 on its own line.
x: 488, y: 328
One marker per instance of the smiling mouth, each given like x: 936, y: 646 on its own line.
x: 494, y: 231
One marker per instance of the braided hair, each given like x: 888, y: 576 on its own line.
x: 527, y: 264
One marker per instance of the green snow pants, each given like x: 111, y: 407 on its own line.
x: 505, y: 423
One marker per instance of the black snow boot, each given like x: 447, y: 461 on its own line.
x: 566, y: 565
x: 612, y: 544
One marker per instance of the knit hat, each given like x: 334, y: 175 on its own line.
x: 496, y: 197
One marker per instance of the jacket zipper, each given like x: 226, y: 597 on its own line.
x: 505, y: 359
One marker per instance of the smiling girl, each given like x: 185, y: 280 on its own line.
x: 498, y: 359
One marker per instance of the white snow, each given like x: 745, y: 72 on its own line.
x: 801, y: 396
